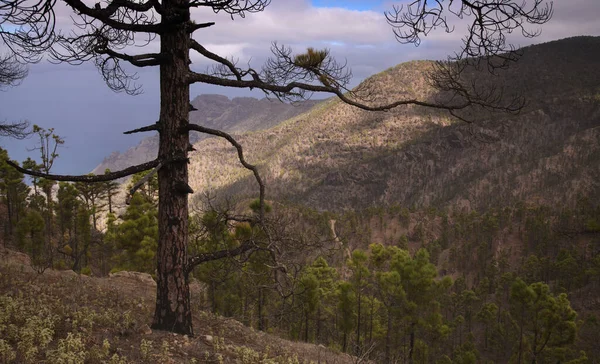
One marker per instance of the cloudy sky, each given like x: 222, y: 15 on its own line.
x: 75, y: 101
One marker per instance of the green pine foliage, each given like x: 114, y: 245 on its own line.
x: 136, y: 237
x: 31, y: 237
x: 13, y: 194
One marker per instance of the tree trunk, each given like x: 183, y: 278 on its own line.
x: 8, y: 226
x: 48, y: 220
x: 173, y: 311
x: 357, y: 349
x: 94, y: 221
x: 388, y: 339
x: 522, y: 323
x: 261, y: 323
x: 412, y: 343
x: 371, y: 320
x: 318, y: 326
x: 110, y: 210
x: 306, y: 326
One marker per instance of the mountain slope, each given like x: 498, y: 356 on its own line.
x: 338, y: 157
x: 214, y: 111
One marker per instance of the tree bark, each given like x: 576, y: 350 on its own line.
x: 412, y: 343
x: 261, y: 323
x: 318, y: 325
x: 48, y: 220
x: 306, y: 326
x: 358, y: 348
x: 388, y: 339
x: 173, y: 311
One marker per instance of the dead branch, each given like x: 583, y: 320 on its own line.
x: 141, y: 182
x: 153, y: 127
x: 243, y: 161
x: 90, y: 178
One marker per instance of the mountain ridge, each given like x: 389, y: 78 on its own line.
x: 235, y: 115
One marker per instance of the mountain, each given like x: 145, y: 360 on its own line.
x: 337, y: 157
x: 235, y: 115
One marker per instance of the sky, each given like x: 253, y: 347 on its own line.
x: 75, y: 101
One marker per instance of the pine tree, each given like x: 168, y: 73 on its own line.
x: 137, y: 236
x: 13, y: 194
x: 327, y: 278
x: 111, y: 188
x: 309, y: 299
x: 347, y: 315
x: 31, y: 238
x: 74, y: 226
x: 418, y: 275
x: 360, y: 282
x: 545, y: 321
x: 92, y: 195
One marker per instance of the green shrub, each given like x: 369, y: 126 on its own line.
x: 71, y: 350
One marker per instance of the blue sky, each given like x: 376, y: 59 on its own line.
x: 76, y: 102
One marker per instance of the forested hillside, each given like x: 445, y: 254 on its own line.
x: 337, y: 157
x: 405, y: 236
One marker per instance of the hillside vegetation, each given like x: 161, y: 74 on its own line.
x: 337, y: 157
x: 64, y: 317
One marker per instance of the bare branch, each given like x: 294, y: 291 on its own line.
x: 138, y: 60
x: 153, y: 127
x: 193, y: 26
x: 194, y: 77
x: 232, y: 7
x: 141, y: 182
x: 491, y: 22
x: 105, y: 16
x: 27, y: 27
x: 219, y: 254
x: 15, y: 130
x: 103, y: 45
x: 114, y: 6
x: 240, y: 152
x: 11, y: 71
x: 116, y: 78
x: 210, y: 55
x: 89, y: 178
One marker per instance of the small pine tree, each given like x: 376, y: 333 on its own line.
x: 137, y: 236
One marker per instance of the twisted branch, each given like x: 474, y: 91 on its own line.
x: 243, y: 161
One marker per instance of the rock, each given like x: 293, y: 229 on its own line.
x: 142, y: 277
x: 145, y: 330
x: 207, y: 339
x: 14, y: 257
x: 69, y: 273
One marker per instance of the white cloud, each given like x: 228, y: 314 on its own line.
x: 362, y: 37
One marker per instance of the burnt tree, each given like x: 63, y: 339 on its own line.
x: 106, y: 32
